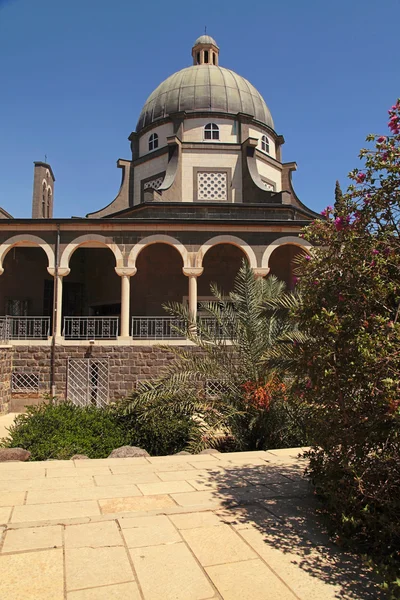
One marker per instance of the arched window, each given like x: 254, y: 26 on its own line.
x: 265, y: 144
x: 48, y: 202
x: 211, y: 131
x: 44, y: 201
x: 153, y: 141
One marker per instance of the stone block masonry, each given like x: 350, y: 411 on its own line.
x: 5, y: 379
x: 127, y: 365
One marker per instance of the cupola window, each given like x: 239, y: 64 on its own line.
x: 153, y: 141
x: 211, y: 131
x: 265, y: 144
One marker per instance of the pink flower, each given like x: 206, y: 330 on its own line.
x: 340, y: 222
x: 360, y: 177
x: 381, y: 139
x: 372, y: 263
x: 316, y: 282
x: 295, y: 280
x: 308, y: 384
x: 308, y: 257
x: 374, y: 251
x: 341, y: 298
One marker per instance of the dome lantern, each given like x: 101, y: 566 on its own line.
x: 205, y: 51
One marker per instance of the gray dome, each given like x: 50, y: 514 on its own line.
x: 204, y: 88
x: 205, y: 39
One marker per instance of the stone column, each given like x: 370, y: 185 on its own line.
x: 260, y: 273
x: 58, y: 291
x: 193, y: 273
x: 125, y: 274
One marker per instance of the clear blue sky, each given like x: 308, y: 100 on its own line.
x: 75, y: 73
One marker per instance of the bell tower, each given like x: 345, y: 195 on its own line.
x: 205, y: 51
x: 43, y: 191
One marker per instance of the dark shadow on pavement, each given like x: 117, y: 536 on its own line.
x: 278, y: 501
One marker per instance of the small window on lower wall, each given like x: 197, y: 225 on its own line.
x: 269, y: 185
x: 212, y: 186
x: 22, y: 382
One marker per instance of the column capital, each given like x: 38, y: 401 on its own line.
x: 192, y: 271
x: 61, y: 271
x: 259, y: 272
x: 128, y: 271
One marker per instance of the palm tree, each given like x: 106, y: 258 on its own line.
x: 224, y: 383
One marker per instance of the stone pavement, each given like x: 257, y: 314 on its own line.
x: 235, y: 526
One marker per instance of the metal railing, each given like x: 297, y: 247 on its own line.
x: 24, y: 328
x: 157, y: 328
x: 91, y: 328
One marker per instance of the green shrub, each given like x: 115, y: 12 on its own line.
x: 163, y: 433
x: 348, y: 368
x: 58, y: 431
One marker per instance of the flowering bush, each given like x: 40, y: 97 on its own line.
x: 348, y: 369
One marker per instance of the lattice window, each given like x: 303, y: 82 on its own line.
x: 215, y: 388
x: 212, y: 185
x: 153, y: 183
x: 17, y: 307
x: 88, y: 382
x: 24, y: 382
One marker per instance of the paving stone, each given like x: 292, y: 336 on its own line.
x: 82, y: 472
x: 11, y: 498
x: 183, y: 475
x: 216, y: 545
x: 171, y: 573
x: 138, y: 503
x: 164, y: 487
x: 33, y: 538
x: 199, y: 499
x: 248, y: 580
x: 149, y: 531
x: 94, y: 535
x: 16, y: 485
x: 11, y: 474
x: 89, y: 493
x: 59, y: 510
x: 32, y: 575
x: 5, y: 512
x: 304, y: 579
x: 204, y: 483
x: 90, y: 567
x: 179, y: 459
x: 121, y: 591
x: 126, y: 479
x: 195, y: 519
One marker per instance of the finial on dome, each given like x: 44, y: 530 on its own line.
x: 205, y: 51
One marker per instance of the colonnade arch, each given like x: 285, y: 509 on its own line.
x: 165, y: 269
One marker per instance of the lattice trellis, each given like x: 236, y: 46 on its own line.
x: 153, y: 183
x: 212, y: 185
x: 88, y: 381
x: 215, y: 388
x: 22, y: 382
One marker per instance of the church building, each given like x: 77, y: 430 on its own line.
x: 81, y: 299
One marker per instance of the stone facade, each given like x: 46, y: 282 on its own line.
x: 5, y: 379
x: 127, y: 365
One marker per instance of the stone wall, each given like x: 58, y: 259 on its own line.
x: 5, y: 379
x: 127, y: 364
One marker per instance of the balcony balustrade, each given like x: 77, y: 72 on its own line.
x: 24, y: 328
x: 91, y: 328
x: 157, y: 328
